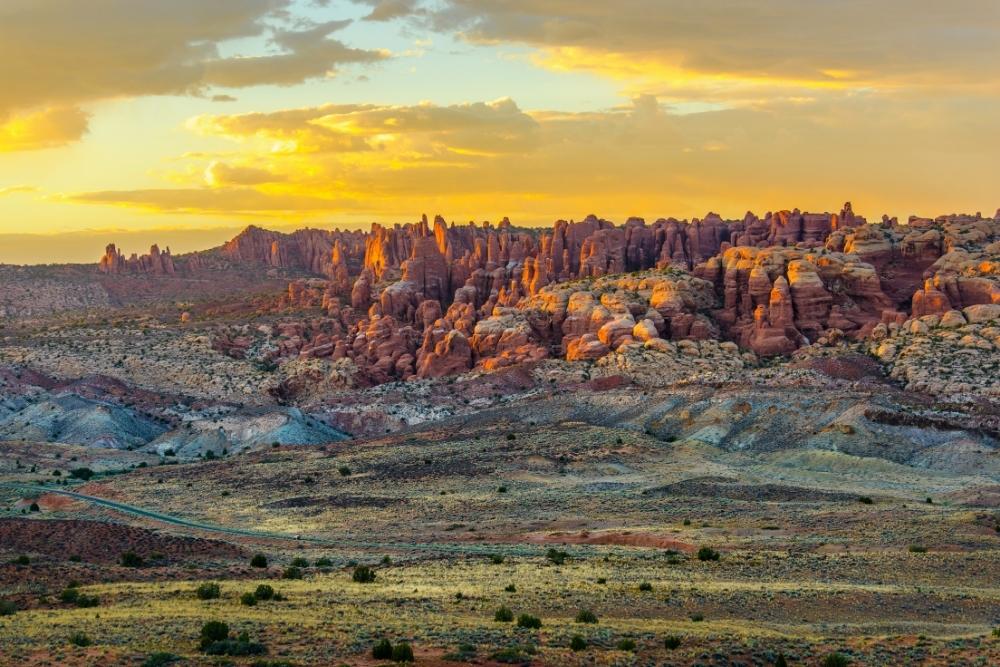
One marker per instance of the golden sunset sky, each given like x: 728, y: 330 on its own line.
x: 180, y: 121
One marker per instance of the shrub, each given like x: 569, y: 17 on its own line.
x: 7, y: 608
x: 586, y: 616
x: 344, y: 471
x: 79, y: 639
x: 556, y: 557
x: 707, y: 554
x: 865, y: 500
x: 34, y: 508
x: 602, y: 580
x: 248, y: 599
x: 264, y: 592
x: 781, y: 662
x: 208, y: 591
x: 671, y: 642
x: 645, y: 586
x: 578, y: 643
x: 213, y: 631
x: 363, y: 574
x: 836, y: 660
x: 496, y: 559
x: 697, y: 617
x: 22, y: 560
x: 70, y: 595
x: 501, y: 489
x: 81, y: 473
x: 291, y: 573
x: 235, y: 647
x: 160, y: 659
x: 529, y: 621
x: 503, y: 615
x: 382, y: 650
x: 402, y: 652
x: 324, y: 562
x: 258, y: 560
x: 625, y: 645
x: 300, y: 562
x: 687, y: 522
x: 510, y: 588
x: 131, y: 559
x: 87, y: 601
x: 917, y: 549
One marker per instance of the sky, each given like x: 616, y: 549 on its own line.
x: 182, y: 121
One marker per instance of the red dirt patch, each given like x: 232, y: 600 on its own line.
x: 619, y: 538
x: 96, y: 541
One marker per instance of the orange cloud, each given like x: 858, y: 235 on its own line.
x: 42, y: 129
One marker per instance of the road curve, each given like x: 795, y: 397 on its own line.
x: 439, y: 547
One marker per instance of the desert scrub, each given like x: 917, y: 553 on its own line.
x: 645, y: 586
x: 248, y: 599
x: 382, y: 650
x: 672, y: 642
x: 7, y: 608
x: 836, y: 660
x: 80, y: 639
x: 363, y: 575
x: 208, y: 591
x: 291, y: 573
x: 578, y: 643
x: 586, y: 616
x: 528, y: 621
x: 131, y: 559
x: 264, y: 592
x: 300, y: 562
x: 503, y: 615
x: 708, y: 554
x: 258, y: 560
x: 402, y: 652
x: 625, y: 645
x: 556, y: 557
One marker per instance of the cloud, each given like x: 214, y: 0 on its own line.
x: 776, y: 43
x: 493, y: 158
x: 220, y: 174
x: 58, y: 56
x: 387, y: 10
x: 17, y: 189
x: 48, y: 128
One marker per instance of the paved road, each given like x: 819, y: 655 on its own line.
x: 439, y: 547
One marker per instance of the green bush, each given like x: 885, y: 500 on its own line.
x: 556, y: 557
x: 81, y: 473
x: 671, y: 642
x: 344, y: 471
x: 382, y: 650
x: 70, y: 595
x: 22, y: 560
x: 291, y: 573
x: 248, y: 599
x: 496, y: 559
x: 781, y: 662
x: 80, y: 639
x: 259, y: 560
x: 160, y: 659
x: 578, y: 643
x: 625, y: 645
x: 917, y: 549
x: 363, y: 574
x: 300, y: 562
x: 264, y: 592
x: 235, y: 648
x: 707, y: 554
x: 529, y: 621
x: 645, y: 586
x: 510, y: 588
x: 865, y: 500
x: 208, y: 591
x: 586, y: 616
x: 131, y: 559
x: 324, y: 562
x: 213, y: 631
x: 402, y: 652
x: 7, y: 608
x: 87, y: 601
x: 503, y: 615
x: 836, y: 660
